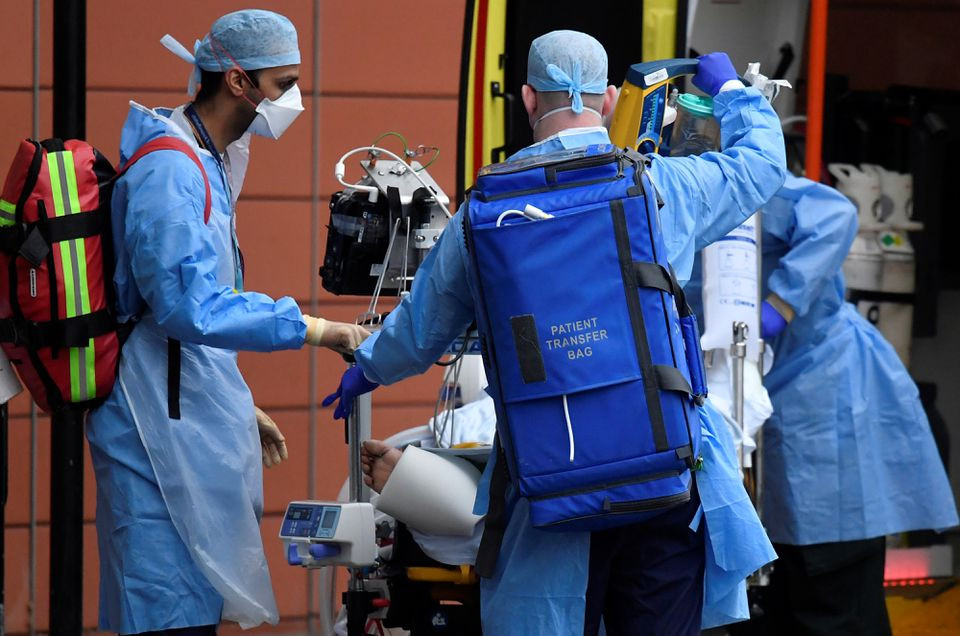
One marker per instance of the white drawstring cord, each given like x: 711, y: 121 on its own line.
x: 566, y: 414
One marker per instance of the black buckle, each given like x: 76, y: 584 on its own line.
x: 35, y: 247
x: 9, y: 333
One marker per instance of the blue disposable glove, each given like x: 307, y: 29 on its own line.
x: 352, y: 384
x: 713, y: 71
x: 771, y: 322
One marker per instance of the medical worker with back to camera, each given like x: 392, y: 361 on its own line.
x: 848, y: 455
x: 177, y: 451
x: 561, y: 582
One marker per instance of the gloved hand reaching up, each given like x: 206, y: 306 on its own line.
x: 352, y: 384
x: 713, y: 71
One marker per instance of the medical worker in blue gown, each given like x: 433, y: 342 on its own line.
x: 652, y: 582
x: 848, y: 453
x: 177, y: 448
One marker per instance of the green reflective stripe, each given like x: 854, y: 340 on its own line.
x: 66, y: 159
x: 74, y: 374
x: 53, y: 167
x: 8, y: 213
x: 81, y: 251
x: 88, y: 382
x: 66, y: 200
x: 90, y: 353
x: 88, y: 374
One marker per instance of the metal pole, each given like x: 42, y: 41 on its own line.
x: 32, y: 573
x: 356, y: 598
x: 66, y: 452
x: 358, y: 429
x: 4, y: 475
x: 32, y: 558
x: 738, y: 352
x: 312, y: 354
x: 756, y: 469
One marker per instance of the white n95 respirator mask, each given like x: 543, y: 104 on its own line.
x: 275, y: 116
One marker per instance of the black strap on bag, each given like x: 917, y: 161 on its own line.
x: 495, y: 522
x: 173, y: 378
x: 57, y: 334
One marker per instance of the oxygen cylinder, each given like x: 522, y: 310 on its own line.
x: 863, y: 188
x: 880, y: 269
x: 896, y: 198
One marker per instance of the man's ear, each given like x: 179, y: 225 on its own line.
x: 609, y: 100
x: 529, y: 96
x: 235, y: 81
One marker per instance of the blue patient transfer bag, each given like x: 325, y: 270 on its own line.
x: 592, y: 354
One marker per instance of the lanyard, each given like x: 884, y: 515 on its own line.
x: 207, y: 142
x: 205, y: 139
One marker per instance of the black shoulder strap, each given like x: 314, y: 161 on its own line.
x: 173, y: 378
x: 495, y: 523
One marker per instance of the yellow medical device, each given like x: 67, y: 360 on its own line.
x: 643, y: 100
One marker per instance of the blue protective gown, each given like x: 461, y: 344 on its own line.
x: 179, y: 501
x: 848, y: 452
x: 541, y: 578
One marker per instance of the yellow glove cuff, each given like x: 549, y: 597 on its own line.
x: 782, y: 307
x: 315, y: 329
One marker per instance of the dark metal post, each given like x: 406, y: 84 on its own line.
x: 4, y: 475
x: 66, y: 452
x: 70, y: 69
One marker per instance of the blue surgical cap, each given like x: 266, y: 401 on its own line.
x: 568, y: 61
x: 252, y: 39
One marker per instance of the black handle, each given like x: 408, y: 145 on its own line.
x: 508, y: 106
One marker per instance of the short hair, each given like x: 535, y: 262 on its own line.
x: 211, y: 81
x: 559, y: 99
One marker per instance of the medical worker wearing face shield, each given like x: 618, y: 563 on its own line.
x: 645, y: 578
x: 848, y: 452
x: 177, y: 446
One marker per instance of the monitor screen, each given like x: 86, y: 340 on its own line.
x: 329, y: 518
x: 299, y: 513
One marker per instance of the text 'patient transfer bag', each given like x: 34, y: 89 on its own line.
x: 592, y: 352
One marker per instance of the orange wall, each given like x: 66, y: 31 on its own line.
x: 383, y: 66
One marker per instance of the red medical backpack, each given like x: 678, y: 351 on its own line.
x: 57, y: 321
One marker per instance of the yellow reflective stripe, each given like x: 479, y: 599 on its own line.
x: 67, y: 158
x: 66, y: 200
x: 53, y: 167
x: 88, y: 374
x: 8, y: 213
x: 75, y: 375
x: 90, y: 370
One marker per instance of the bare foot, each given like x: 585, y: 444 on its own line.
x: 377, y: 460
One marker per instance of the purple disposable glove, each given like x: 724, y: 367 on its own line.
x: 352, y: 384
x: 713, y: 71
x: 771, y: 322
